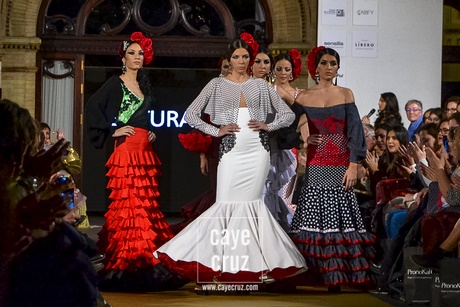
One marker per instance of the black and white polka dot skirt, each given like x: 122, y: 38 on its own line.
x: 328, y: 230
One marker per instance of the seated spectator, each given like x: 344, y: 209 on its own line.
x: 438, y: 238
x: 437, y: 115
x: 386, y: 167
x: 443, y: 133
x: 43, y: 258
x: 451, y: 105
x: 426, y: 116
x: 414, y: 112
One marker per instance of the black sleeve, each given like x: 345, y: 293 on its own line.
x: 356, y: 139
x: 289, y: 137
x: 101, y: 110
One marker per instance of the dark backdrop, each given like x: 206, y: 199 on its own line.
x: 181, y: 180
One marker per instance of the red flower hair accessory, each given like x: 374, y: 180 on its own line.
x: 195, y: 141
x: 144, y: 42
x: 253, y: 46
x: 297, y: 61
x: 311, y: 61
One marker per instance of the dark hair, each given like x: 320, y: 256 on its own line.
x: 390, y: 114
x: 439, y: 112
x: 329, y: 51
x: 450, y: 99
x: 18, y: 130
x: 456, y: 117
x: 433, y: 130
x: 383, y: 126
x: 283, y: 56
x: 266, y: 51
x: 141, y: 78
x: 424, y: 113
x: 44, y: 126
x: 236, y: 44
x: 387, y: 161
x: 401, y: 134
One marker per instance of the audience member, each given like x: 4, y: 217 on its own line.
x: 388, y: 111
x: 414, y: 112
x: 46, y: 259
x: 437, y: 115
x: 451, y: 105
x: 426, y: 116
x: 436, y: 228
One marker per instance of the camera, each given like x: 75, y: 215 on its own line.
x: 70, y: 192
x: 54, y: 136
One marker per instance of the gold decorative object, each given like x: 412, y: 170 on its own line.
x: 73, y: 162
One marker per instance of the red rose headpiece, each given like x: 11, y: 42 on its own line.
x: 297, y: 61
x: 253, y: 48
x: 311, y: 61
x: 144, y: 42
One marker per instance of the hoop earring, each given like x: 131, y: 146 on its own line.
x: 123, y: 68
x: 291, y: 78
x: 316, y: 77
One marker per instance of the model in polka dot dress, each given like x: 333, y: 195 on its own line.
x: 327, y: 226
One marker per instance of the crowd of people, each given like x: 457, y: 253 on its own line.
x: 342, y: 221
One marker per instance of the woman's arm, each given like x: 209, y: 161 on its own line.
x: 98, y: 111
x: 285, y: 115
x: 193, y: 112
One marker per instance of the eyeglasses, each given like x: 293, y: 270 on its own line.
x: 444, y: 130
x: 453, y: 110
x: 413, y: 110
x: 286, y: 69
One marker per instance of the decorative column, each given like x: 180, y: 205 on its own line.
x: 18, y: 70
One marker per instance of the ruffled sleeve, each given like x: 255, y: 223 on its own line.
x: 355, y: 133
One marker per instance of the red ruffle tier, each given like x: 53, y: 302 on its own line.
x: 200, y: 273
x: 341, y: 258
x: 135, y: 226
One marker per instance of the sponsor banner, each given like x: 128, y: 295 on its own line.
x: 334, y: 12
x: 365, y: 12
x: 364, y: 44
x: 336, y: 40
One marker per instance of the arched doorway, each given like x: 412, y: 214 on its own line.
x: 79, y: 49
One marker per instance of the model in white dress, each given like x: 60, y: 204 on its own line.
x: 236, y: 239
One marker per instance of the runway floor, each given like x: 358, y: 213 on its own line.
x: 302, y: 296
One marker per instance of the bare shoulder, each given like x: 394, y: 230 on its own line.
x: 347, y: 94
x: 305, y: 95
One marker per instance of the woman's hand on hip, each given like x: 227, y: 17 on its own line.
x: 152, y: 137
x: 314, y: 139
x: 350, y: 177
x: 256, y: 125
x: 124, y: 131
x: 228, y: 129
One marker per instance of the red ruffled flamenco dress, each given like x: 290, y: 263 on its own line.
x: 135, y: 226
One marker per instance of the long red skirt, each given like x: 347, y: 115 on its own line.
x: 135, y: 226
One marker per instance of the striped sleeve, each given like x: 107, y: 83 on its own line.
x: 193, y: 112
x: 285, y: 116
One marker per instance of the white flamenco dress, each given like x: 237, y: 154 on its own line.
x: 236, y: 239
